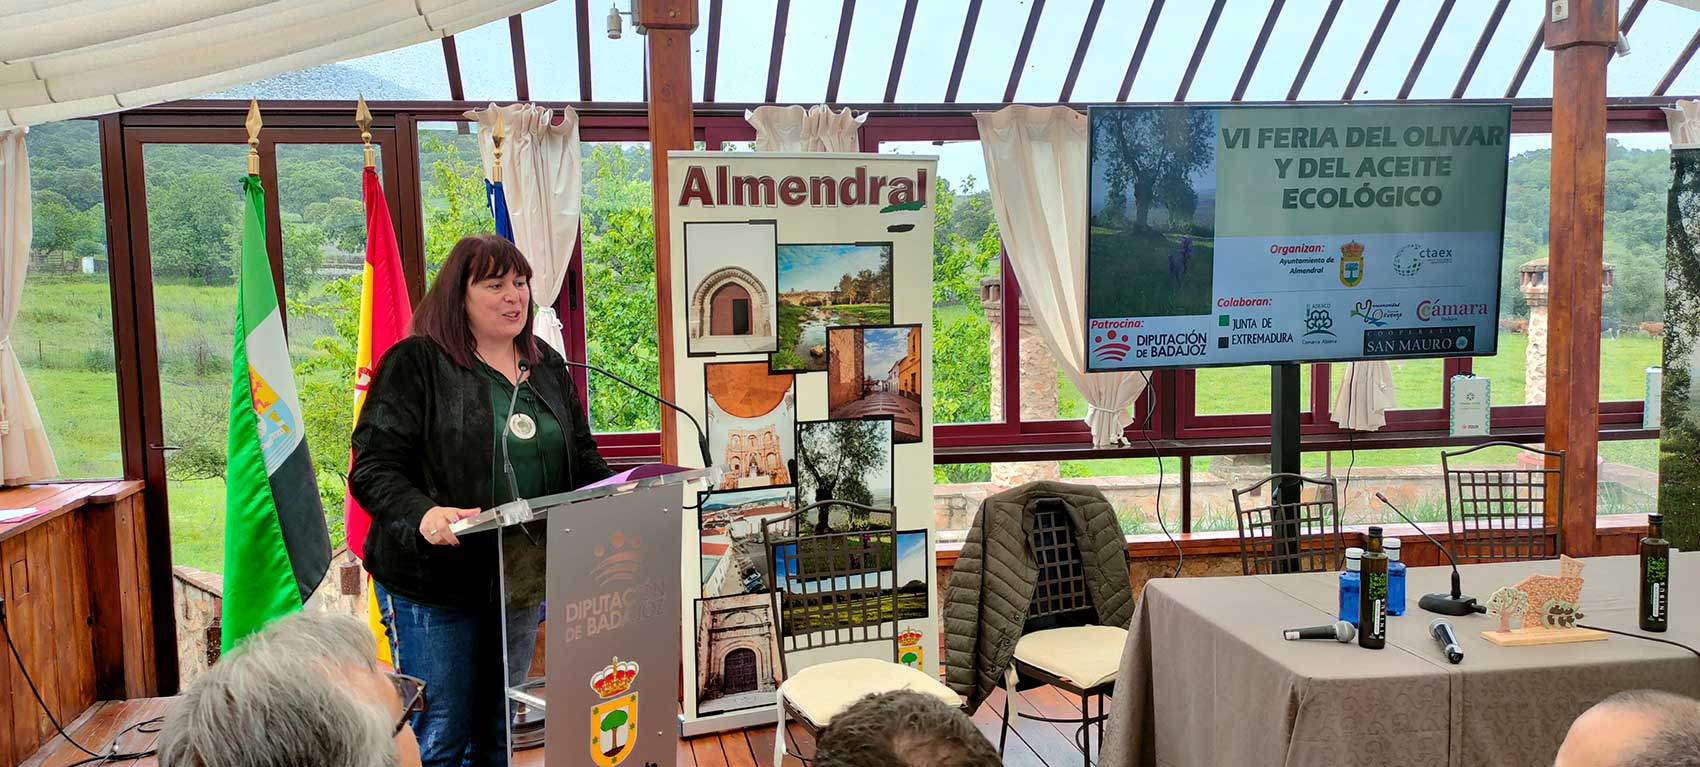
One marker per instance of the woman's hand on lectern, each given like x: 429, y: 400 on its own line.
x: 435, y: 525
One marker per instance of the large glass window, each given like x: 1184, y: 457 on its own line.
x: 966, y: 342
x: 63, y: 335
x: 320, y: 203
x: 618, y: 243
x: 194, y: 225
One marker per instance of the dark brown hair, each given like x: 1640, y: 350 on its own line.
x: 903, y: 729
x: 441, y: 316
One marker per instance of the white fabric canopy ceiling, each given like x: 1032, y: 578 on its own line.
x: 71, y: 58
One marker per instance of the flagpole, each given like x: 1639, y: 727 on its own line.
x: 363, y: 118
x: 253, y: 123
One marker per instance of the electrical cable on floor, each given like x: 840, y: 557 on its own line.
x: 1145, y: 430
x: 111, y: 752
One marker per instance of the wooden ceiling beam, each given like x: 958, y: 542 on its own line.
x: 711, y: 68
x: 1482, y: 41
x: 1368, y: 55
x: 962, y: 46
x: 1198, y: 50
x: 583, y: 12
x: 776, y: 54
x: 1257, y: 49
x: 516, y: 42
x: 1315, y: 47
x: 1428, y: 46
x: 900, y: 50
x: 1080, y: 47
x: 846, y: 17
x: 451, y: 63
x: 1139, y: 49
x: 1021, y: 50
x: 1528, y: 61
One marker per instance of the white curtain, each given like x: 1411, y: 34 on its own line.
x: 1366, y: 394
x: 795, y: 129
x: 1036, y: 168
x: 25, y: 455
x: 71, y: 58
x: 541, y: 179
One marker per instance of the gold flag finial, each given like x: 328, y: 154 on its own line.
x: 363, y: 118
x: 253, y: 123
x: 497, y: 135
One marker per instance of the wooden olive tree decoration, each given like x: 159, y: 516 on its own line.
x: 1506, y: 602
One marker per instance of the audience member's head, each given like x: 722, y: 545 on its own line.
x: 1643, y: 728
x: 304, y: 690
x: 903, y: 728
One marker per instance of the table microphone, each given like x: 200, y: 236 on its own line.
x: 1339, y: 631
x: 702, y: 436
x: 1448, y: 641
x: 1445, y: 604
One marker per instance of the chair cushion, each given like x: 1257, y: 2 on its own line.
x: 1084, y: 655
x: 821, y: 691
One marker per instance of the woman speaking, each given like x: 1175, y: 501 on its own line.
x: 427, y: 454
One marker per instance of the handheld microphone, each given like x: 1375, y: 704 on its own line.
x: 1448, y: 641
x: 1455, y: 603
x: 1339, y: 631
x: 702, y: 436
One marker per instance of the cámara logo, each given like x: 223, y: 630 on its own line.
x: 1351, y: 264
x: 1376, y: 314
x: 1431, y: 309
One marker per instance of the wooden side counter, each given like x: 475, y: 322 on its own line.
x: 77, y: 604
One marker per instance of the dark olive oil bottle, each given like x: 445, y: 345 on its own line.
x: 1372, y: 596
x: 1655, y: 576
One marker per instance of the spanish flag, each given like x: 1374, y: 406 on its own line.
x: 384, y: 316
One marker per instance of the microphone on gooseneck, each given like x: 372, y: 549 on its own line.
x: 1455, y: 603
x: 1339, y: 631
x: 702, y: 436
x: 507, y: 426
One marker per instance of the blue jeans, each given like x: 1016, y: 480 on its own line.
x: 460, y: 655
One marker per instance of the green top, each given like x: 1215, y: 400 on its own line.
x: 538, y: 461
x: 539, y: 470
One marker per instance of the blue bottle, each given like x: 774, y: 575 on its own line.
x: 1395, y: 577
x: 1349, y: 585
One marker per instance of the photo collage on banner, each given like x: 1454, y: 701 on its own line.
x: 807, y: 309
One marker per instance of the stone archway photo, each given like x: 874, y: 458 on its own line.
x: 730, y: 270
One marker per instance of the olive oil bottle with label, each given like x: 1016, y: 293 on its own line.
x: 1655, y: 576
x: 1372, y: 596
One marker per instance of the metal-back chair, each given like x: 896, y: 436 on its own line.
x: 1498, y: 514
x: 832, y: 589
x: 1299, y: 537
x: 1061, y: 613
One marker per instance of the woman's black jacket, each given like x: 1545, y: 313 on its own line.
x: 425, y: 439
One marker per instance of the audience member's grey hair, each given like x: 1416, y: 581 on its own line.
x: 903, y: 728
x: 1675, y: 741
x: 281, y: 698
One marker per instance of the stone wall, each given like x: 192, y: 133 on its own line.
x: 1038, y: 381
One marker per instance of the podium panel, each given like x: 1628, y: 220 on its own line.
x: 600, y: 568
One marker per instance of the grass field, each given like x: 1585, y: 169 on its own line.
x: 1158, y: 286
x: 63, y: 338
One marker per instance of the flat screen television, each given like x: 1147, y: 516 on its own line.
x: 1261, y: 235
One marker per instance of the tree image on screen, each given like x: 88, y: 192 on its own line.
x: 1153, y: 212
